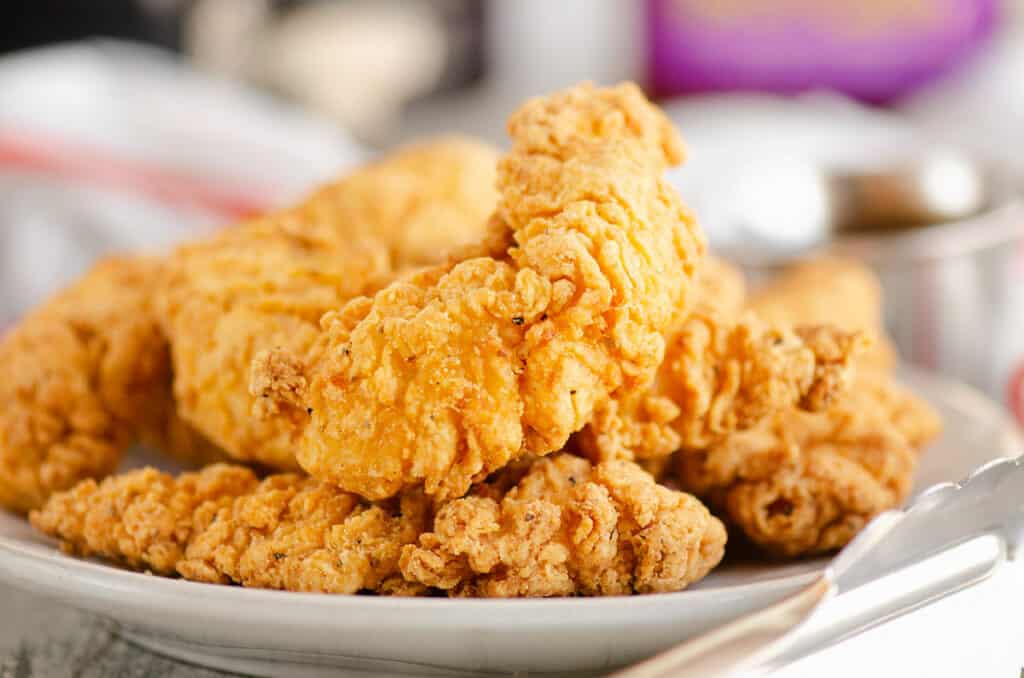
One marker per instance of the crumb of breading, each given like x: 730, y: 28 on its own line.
x: 835, y: 353
x: 276, y: 379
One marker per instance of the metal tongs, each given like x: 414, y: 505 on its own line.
x: 988, y: 503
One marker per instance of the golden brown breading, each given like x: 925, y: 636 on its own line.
x: 915, y: 419
x: 721, y: 288
x: 421, y: 201
x: 802, y: 483
x: 264, y: 284
x: 81, y: 378
x: 448, y: 375
x: 829, y: 291
x: 142, y: 519
x: 259, y: 285
x: 723, y: 371
x: 568, y: 528
x: 221, y: 525
x: 720, y: 377
x: 298, y: 534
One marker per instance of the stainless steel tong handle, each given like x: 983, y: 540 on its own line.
x: 732, y: 645
x: 989, y: 502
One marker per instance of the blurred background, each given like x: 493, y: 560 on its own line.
x: 889, y: 130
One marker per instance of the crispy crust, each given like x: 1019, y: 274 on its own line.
x: 81, y: 378
x: 723, y: 371
x: 222, y: 525
x: 265, y: 284
x: 448, y: 375
x: 568, y: 528
x: 802, y: 483
x: 142, y: 519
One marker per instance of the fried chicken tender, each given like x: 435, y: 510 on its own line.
x: 299, y: 534
x: 81, y: 378
x: 266, y: 283
x: 567, y: 527
x: 721, y: 287
x: 800, y: 483
x: 422, y: 201
x: 142, y: 519
x: 723, y: 371
x: 448, y: 375
x: 259, y: 285
x: 803, y: 483
x: 828, y: 290
x: 222, y: 525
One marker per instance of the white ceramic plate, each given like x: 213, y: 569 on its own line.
x: 276, y: 633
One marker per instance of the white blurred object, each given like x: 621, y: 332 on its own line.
x: 981, y: 106
x: 537, y: 46
x: 534, y: 47
x: 219, y: 35
x: 107, y: 146
x: 754, y: 168
x: 357, y: 61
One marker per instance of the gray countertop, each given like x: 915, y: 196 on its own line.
x: 40, y: 638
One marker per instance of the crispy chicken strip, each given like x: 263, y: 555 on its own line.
x: 723, y: 371
x: 841, y: 292
x: 721, y: 287
x: 81, y: 378
x: 446, y: 376
x: 142, y: 519
x: 265, y: 283
x: 421, y: 201
x: 567, y: 527
x: 221, y: 525
x: 802, y: 483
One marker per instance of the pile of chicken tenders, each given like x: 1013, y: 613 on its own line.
x: 454, y: 372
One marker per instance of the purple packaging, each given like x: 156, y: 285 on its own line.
x: 873, y: 50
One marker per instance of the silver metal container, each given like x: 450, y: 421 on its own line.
x: 954, y: 291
